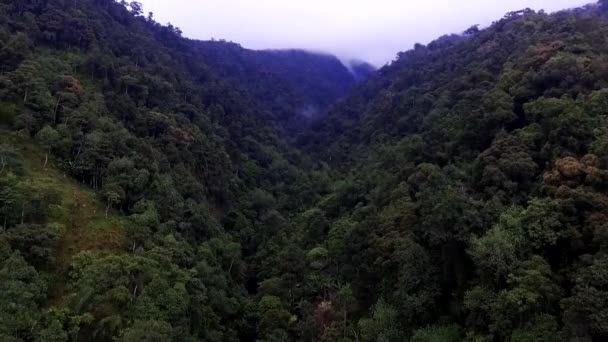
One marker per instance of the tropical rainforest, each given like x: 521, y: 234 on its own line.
x: 158, y: 188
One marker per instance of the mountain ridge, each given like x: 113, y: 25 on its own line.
x: 309, y: 81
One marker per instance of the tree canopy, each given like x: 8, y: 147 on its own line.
x: 158, y: 188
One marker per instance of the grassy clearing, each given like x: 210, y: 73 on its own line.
x: 81, y: 214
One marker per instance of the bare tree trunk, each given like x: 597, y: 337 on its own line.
x: 3, y: 164
x: 56, y: 110
x: 344, y: 334
x: 46, y: 160
x: 25, y: 96
x: 231, y: 263
x: 22, y: 211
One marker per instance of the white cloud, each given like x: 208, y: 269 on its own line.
x: 372, y: 30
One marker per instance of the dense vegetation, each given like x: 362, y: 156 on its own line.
x: 149, y: 190
x: 285, y: 82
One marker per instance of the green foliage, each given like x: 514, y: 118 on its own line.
x: 10, y: 160
x: 317, y: 257
x: 585, y: 310
x: 148, y: 331
x: 544, y: 222
x: 532, y: 288
x: 22, y: 291
x: 273, y: 317
x: 499, y: 249
x: 34, y: 242
x: 382, y: 326
x: 7, y: 113
x: 543, y: 329
x: 176, y: 192
x: 48, y: 137
x: 438, y: 333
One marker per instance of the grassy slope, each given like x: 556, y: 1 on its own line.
x: 81, y: 213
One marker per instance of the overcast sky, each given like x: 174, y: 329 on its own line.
x: 371, y: 30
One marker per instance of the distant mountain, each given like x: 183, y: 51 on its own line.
x: 290, y: 84
x: 361, y: 70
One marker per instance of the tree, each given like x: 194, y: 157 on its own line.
x: 137, y: 8
x: 8, y: 111
x: 112, y: 281
x: 156, y: 331
x: 532, y: 289
x: 479, y: 305
x: 114, y: 194
x: 585, y: 312
x: 382, y: 326
x: 449, y: 333
x: 10, y: 160
x: 15, y: 51
x: 273, y: 316
x: 34, y: 242
x: 496, y: 253
x: 348, y: 303
x: 317, y: 258
x: 543, y: 328
x: 27, y: 78
x: 53, y: 332
x: 48, y: 138
x: 22, y: 290
x: 472, y: 30
x: 545, y: 222
x: 314, y: 224
x: 11, y: 200
x: 123, y: 174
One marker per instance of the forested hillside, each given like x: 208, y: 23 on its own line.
x: 150, y: 189
x: 191, y: 163
x: 292, y: 85
x: 472, y: 201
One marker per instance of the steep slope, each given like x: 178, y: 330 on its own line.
x: 74, y: 215
x: 196, y: 166
x: 472, y: 200
x: 519, y: 58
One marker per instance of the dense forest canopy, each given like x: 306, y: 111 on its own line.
x: 157, y: 188
x: 285, y: 82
